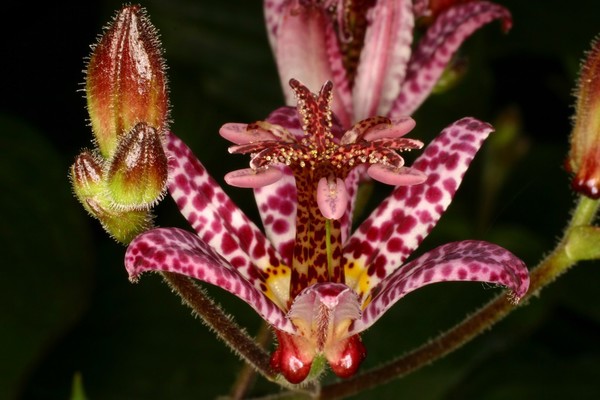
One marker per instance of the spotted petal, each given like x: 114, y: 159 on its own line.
x: 179, y: 251
x: 383, y: 58
x: 438, y: 46
x: 399, y: 224
x: 473, y: 261
x: 218, y: 221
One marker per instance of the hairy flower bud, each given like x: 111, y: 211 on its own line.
x: 125, y: 79
x: 584, y: 156
x: 136, y: 175
x: 88, y: 181
x: 86, y: 177
x: 121, y: 225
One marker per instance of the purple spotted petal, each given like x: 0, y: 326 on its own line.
x: 182, y: 252
x: 399, y: 224
x: 383, y: 58
x: 212, y: 214
x: 438, y: 45
x: 277, y: 207
x: 473, y: 261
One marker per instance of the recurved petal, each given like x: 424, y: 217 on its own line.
x: 182, y: 252
x: 437, y: 47
x: 384, y: 57
x: 399, y: 224
x: 218, y: 221
x: 471, y: 261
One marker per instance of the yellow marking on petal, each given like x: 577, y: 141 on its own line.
x: 277, y: 285
x: 358, y: 280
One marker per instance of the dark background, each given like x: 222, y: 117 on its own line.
x: 67, y: 308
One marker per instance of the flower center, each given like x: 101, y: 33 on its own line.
x: 320, y: 162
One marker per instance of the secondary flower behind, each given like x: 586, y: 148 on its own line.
x: 318, y: 284
x: 368, y: 48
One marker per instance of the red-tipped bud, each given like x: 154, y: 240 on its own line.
x: 125, y: 79
x: 136, y: 175
x: 584, y: 156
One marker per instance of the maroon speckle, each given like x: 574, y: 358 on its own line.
x: 406, y: 224
x: 280, y: 226
x: 228, y: 245
x: 446, y: 271
x: 433, y: 194
x: 395, y: 245
x: 450, y: 185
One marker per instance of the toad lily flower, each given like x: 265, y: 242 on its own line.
x: 366, y: 48
x: 314, y: 281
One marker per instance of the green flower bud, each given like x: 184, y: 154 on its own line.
x: 86, y: 177
x: 121, y: 225
x: 125, y: 79
x: 136, y: 175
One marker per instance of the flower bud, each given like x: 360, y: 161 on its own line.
x: 584, y: 156
x: 121, y: 225
x: 125, y: 79
x: 87, y: 178
x: 136, y: 175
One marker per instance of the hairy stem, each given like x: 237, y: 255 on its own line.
x: 247, y: 374
x: 216, y: 319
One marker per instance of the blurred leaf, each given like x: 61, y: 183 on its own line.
x: 46, y: 275
x: 77, y: 391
